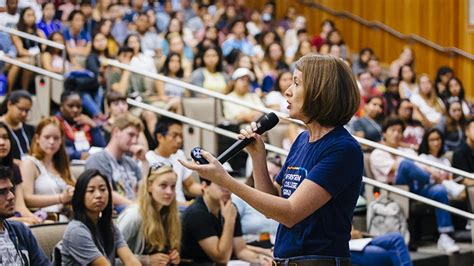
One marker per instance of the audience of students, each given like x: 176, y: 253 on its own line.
x: 243, y: 53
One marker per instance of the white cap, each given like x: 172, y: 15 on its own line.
x: 242, y: 72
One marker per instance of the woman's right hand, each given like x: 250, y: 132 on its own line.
x: 159, y: 259
x: 255, y: 147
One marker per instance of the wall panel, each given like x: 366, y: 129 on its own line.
x: 443, y: 22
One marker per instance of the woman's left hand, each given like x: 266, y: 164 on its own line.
x: 214, y: 171
x: 174, y: 257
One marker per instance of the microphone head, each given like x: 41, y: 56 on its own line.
x: 266, y: 122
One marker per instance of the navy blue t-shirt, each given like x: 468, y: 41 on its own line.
x: 335, y: 162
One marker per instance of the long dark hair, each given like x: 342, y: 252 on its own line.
x: 451, y: 124
x: 56, y: 51
x: 165, y: 70
x: 441, y: 72
x: 103, y: 232
x: 425, y: 146
x: 13, y: 98
x: 461, y: 89
x: 95, y: 51
x: 21, y: 26
x: 219, y: 66
x: 276, y: 86
x: 7, y: 160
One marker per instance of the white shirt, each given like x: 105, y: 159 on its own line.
x: 381, y: 163
x: 430, y: 112
x: 274, y: 98
x: 182, y: 172
x: 8, y: 20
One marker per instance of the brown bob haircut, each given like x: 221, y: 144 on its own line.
x: 331, y: 94
x: 127, y: 120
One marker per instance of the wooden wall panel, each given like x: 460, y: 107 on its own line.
x: 443, y: 22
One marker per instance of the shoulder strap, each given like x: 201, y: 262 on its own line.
x: 38, y: 164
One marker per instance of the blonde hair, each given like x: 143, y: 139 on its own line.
x: 432, y: 98
x: 127, y: 120
x: 160, y: 228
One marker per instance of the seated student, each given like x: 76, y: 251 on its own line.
x: 91, y: 237
x: 18, y: 244
x: 122, y: 170
x: 78, y: 42
x: 27, y: 50
x: 14, y: 110
x: 81, y: 131
x: 432, y: 148
x: 117, y: 106
x: 369, y: 126
x: 392, y: 169
x: 169, y: 136
x: 413, y: 130
x: 48, y: 24
x: 22, y: 213
x: 212, y: 230
x: 276, y: 99
x: 452, y: 124
x: 388, y: 249
x: 258, y: 230
x: 240, y: 89
x: 48, y: 183
x: 152, y: 228
x: 52, y: 58
x: 463, y: 157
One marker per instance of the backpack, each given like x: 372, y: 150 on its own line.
x: 385, y: 215
x: 81, y: 81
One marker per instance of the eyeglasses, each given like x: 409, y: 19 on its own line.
x: 23, y: 110
x: 5, y: 191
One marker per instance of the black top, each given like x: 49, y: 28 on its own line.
x: 21, y: 140
x: 199, y: 223
x: 463, y: 158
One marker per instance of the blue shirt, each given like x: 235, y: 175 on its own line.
x: 80, y: 40
x: 49, y: 28
x: 7, y: 47
x: 242, y: 45
x: 334, y: 162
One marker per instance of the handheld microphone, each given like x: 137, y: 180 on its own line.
x: 264, y: 123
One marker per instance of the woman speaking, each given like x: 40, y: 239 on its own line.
x: 314, y: 195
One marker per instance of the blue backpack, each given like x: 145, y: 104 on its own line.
x: 81, y: 81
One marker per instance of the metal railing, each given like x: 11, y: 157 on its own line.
x: 366, y: 180
x: 35, y: 38
x: 32, y: 37
x: 32, y: 68
x: 382, y: 26
x: 283, y: 152
x: 280, y: 151
x: 223, y: 97
x: 217, y: 96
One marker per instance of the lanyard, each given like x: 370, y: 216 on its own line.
x: 17, y: 140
